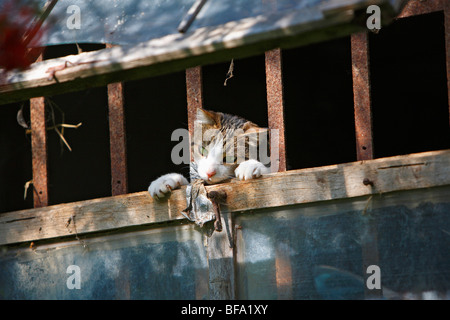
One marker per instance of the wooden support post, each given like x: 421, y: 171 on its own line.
x: 364, y: 143
x: 117, y: 138
x: 39, y: 151
x: 219, y: 249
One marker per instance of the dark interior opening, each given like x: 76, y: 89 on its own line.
x: 15, y: 158
x: 154, y: 108
x: 319, y: 116
x: 409, y: 86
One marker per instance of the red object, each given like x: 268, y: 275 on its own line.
x: 20, y: 35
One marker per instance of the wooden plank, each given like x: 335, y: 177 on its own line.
x: 92, y: 215
x: 174, y: 52
x: 408, y: 172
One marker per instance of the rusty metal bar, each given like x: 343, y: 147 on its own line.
x: 275, y: 110
x: 364, y: 143
x: 39, y: 150
x: 361, y: 95
x: 194, y: 93
x: 275, y: 103
x: 117, y: 138
x: 447, y: 46
x: 194, y: 90
x: 415, y: 7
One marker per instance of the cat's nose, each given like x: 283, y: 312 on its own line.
x: 210, y: 173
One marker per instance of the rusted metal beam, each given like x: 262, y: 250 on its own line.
x: 194, y: 93
x: 447, y: 46
x: 275, y: 110
x: 39, y: 150
x: 417, y: 7
x: 361, y: 95
x: 364, y: 143
x: 275, y: 103
x: 117, y: 138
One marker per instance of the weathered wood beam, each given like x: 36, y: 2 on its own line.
x: 356, y: 179
x: 174, y: 52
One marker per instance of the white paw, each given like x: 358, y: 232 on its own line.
x: 250, y: 169
x: 165, y: 184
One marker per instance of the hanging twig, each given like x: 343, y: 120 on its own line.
x: 230, y: 72
x: 53, y: 105
x: 27, y: 185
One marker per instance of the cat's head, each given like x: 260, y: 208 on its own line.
x: 221, y: 141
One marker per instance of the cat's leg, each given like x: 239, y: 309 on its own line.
x: 165, y: 184
x: 250, y: 169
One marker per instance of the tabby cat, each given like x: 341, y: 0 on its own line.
x: 218, y: 155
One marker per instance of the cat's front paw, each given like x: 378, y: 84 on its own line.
x: 250, y: 169
x: 160, y: 187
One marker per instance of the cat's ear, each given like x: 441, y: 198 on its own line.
x: 250, y: 127
x: 207, y: 117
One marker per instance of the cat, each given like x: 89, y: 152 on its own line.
x: 214, y: 159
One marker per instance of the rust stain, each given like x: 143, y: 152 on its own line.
x: 275, y: 102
